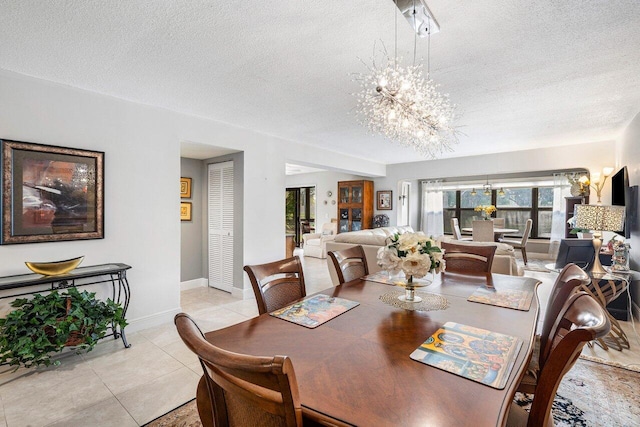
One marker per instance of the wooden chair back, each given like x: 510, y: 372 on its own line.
x: 570, y: 279
x: 276, y: 284
x: 239, y: 389
x: 482, y: 231
x: 468, y: 258
x: 350, y: 264
x: 581, y: 319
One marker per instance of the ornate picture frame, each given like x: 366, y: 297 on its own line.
x: 384, y: 199
x: 185, y: 188
x: 50, y: 193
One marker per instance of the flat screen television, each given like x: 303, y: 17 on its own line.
x: 621, y: 196
x: 577, y: 251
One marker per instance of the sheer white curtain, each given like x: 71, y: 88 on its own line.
x: 432, y: 217
x: 561, y: 189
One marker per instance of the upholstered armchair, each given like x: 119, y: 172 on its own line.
x: 315, y: 244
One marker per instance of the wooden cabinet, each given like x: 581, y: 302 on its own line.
x: 571, y: 202
x: 355, y: 205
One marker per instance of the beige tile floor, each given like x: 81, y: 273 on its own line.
x: 113, y: 386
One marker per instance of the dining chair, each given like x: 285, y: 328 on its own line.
x: 482, y: 231
x: 581, y: 319
x: 350, y: 263
x: 499, y: 222
x: 468, y: 258
x: 240, y: 389
x: 522, y: 243
x: 276, y: 284
x: 455, y: 229
x: 570, y: 279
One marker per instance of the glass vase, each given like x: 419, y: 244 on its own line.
x: 410, y: 288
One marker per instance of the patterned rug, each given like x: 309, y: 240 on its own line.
x: 591, y: 394
x: 594, y: 394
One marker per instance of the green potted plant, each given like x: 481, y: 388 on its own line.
x: 47, y: 323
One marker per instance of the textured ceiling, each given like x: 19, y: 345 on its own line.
x: 523, y: 74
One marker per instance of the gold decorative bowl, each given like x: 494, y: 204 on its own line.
x: 54, y: 268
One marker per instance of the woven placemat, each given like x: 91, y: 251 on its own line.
x: 429, y: 301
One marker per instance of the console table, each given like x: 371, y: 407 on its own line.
x: 116, y: 274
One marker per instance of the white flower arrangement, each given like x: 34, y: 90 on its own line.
x: 413, y: 253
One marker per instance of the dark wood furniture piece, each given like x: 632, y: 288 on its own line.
x: 355, y: 205
x: 570, y: 203
x: 356, y: 368
x: 290, y: 245
x: 350, y: 264
x: 242, y: 390
x: 570, y: 279
x: 115, y: 274
x: 277, y: 283
x: 580, y: 320
x: 468, y: 258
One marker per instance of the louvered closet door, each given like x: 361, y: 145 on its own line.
x: 221, y: 225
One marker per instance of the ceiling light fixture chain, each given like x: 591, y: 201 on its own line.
x: 402, y: 104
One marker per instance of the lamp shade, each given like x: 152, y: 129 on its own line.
x: 599, y: 217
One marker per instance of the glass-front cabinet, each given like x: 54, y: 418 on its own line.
x: 355, y: 205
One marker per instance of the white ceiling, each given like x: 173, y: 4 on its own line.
x: 524, y: 74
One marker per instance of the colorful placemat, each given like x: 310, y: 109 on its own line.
x: 314, y: 311
x: 517, y: 299
x: 477, y: 354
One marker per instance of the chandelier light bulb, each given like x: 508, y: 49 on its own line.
x: 382, y: 82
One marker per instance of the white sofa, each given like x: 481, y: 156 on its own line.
x: 504, y: 262
x: 314, y: 244
x: 371, y: 241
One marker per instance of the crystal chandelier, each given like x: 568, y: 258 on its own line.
x: 403, y: 105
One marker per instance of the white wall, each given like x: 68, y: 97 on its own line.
x: 592, y: 156
x: 142, y: 170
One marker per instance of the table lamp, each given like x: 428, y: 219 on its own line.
x: 599, y: 218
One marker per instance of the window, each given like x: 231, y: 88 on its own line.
x: 516, y: 205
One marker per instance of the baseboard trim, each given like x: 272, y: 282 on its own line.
x: 195, y: 283
x: 151, y: 321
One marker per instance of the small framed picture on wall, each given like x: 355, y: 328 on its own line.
x: 185, y: 188
x: 185, y: 211
x: 384, y: 200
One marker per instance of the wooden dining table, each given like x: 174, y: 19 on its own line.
x: 355, y: 368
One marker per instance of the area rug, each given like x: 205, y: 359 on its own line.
x: 594, y: 394
x: 183, y: 416
x: 591, y: 394
x: 536, y: 265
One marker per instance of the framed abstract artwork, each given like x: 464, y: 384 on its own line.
x: 384, y: 200
x: 50, y: 193
x: 185, y: 188
x: 185, y: 211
